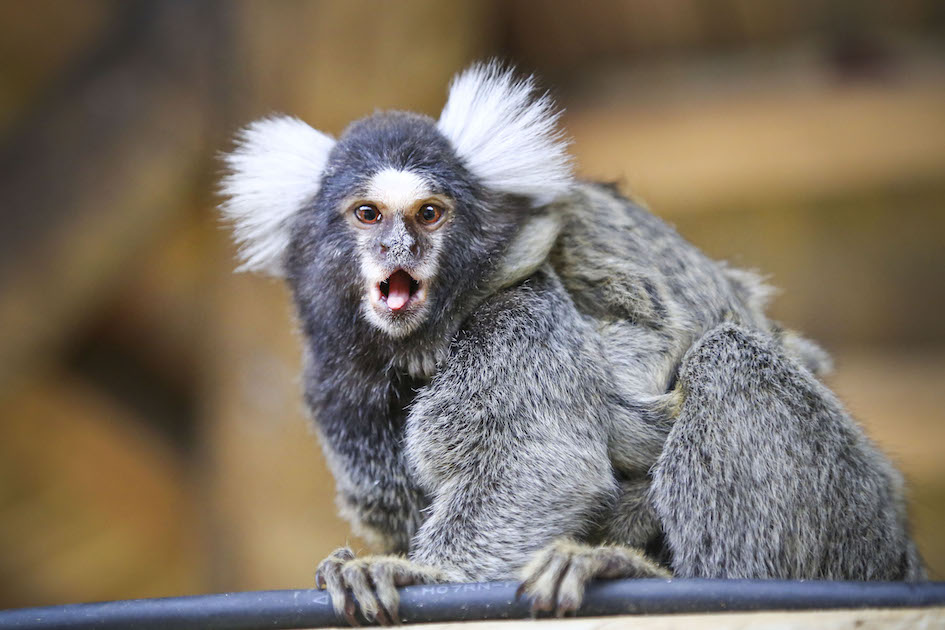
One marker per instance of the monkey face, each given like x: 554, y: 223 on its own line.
x: 399, y: 223
x: 397, y: 231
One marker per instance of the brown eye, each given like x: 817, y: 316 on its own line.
x: 429, y: 214
x: 367, y: 214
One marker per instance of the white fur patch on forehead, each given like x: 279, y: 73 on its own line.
x: 397, y: 189
x: 274, y: 171
x: 506, y: 134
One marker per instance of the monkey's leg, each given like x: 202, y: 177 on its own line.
x: 372, y: 581
x: 765, y: 475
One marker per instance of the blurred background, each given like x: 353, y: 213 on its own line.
x: 152, y: 436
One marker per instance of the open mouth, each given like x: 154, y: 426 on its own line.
x: 398, y: 290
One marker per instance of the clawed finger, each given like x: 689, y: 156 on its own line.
x: 336, y: 589
x: 533, y: 573
x: 571, y: 586
x: 349, y: 610
x: 546, y: 587
x: 384, y: 579
x: 356, y: 579
x: 520, y: 591
x: 383, y: 617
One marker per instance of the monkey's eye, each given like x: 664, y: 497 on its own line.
x: 367, y: 214
x: 429, y: 214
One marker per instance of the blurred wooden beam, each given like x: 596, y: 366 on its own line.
x: 107, y: 166
x: 93, y: 505
x: 331, y: 63
x: 759, y: 134
x: 39, y: 42
x: 857, y: 269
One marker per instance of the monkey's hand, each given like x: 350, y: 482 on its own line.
x: 371, y: 583
x: 556, y: 576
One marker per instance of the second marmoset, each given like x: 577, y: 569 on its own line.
x: 515, y: 373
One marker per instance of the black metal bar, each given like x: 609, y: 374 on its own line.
x: 459, y: 602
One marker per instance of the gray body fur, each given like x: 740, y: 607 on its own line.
x: 551, y: 417
x: 577, y: 370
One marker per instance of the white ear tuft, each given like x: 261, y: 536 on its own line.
x: 506, y: 134
x: 274, y: 171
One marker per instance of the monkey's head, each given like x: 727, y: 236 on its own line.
x: 406, y: 219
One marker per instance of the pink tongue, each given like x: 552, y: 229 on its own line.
x: 398, y: 291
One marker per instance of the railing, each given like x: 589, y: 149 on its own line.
x: 489, y: 600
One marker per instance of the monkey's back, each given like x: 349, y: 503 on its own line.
x: 651, y: 292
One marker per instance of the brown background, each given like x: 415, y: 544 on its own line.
x: 152, y: 437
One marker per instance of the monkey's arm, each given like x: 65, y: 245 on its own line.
x: 509, y: 438
x: 361, y: 436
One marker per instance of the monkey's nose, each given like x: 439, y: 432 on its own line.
x: 399, y: 247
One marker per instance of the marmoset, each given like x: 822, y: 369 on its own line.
x: 517, y: 373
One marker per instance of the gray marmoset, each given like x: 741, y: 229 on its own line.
x: 516, y: 373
